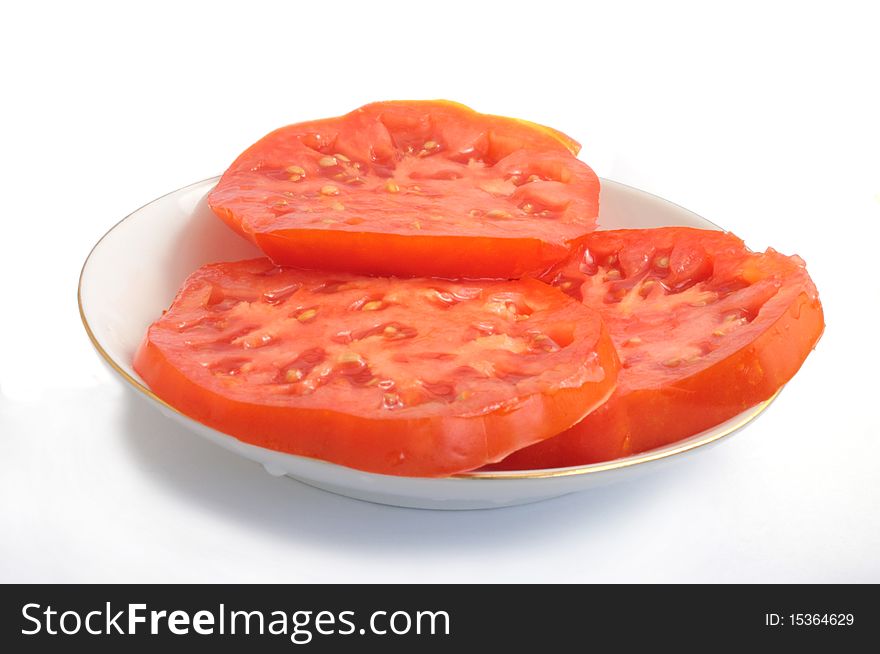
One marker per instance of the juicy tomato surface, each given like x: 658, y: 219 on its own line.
x: 704, y: 329
x: 415, y: 188
x: 417, y: 377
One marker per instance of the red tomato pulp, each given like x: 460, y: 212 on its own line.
x: 704, y: 329
x: 412, y: 189
x: 419, y: 377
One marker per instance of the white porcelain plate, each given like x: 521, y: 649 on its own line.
x: 134, y: 271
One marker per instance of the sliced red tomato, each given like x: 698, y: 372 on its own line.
x: 412, y: 189
x: 414, y: 377
x: 704, y: 328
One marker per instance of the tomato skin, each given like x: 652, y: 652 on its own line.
x: 630, y: 423
x: 413, y: 111
x: 388, y: 254
x: 385, y: 207
x: 645, y: 414
x: 415, y: 447
x: 430, y: 441
x: 750, y: 376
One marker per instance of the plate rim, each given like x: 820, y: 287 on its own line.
x: 680, y: 447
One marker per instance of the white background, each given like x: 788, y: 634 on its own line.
x: 764, y: 118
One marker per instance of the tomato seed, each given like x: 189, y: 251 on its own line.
x: 498, y: 213
x: 352, y: 361
x: 445, y: 297
x: 293, y: 375
x: 544, y: 343
x: 391, y: 400
x: 280, y: 294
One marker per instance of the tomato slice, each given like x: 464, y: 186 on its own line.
x: 413, y: 377
x: 412, y: 189
x: 704, y: 329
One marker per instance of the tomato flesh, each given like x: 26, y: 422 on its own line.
x: 418, y: 377
x: 704, y: 329
x: 412, y: 189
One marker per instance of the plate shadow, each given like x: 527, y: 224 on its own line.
x: 199, y: 472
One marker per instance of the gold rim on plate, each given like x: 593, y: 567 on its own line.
x: 687, y: 445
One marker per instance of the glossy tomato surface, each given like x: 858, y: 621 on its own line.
x: 704, y: 329
x: 414, y: 377
x: 412, y: 189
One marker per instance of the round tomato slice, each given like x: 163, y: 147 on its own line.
x: 407, y: 377
x: 704, y: 329
x: 412, y: 189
